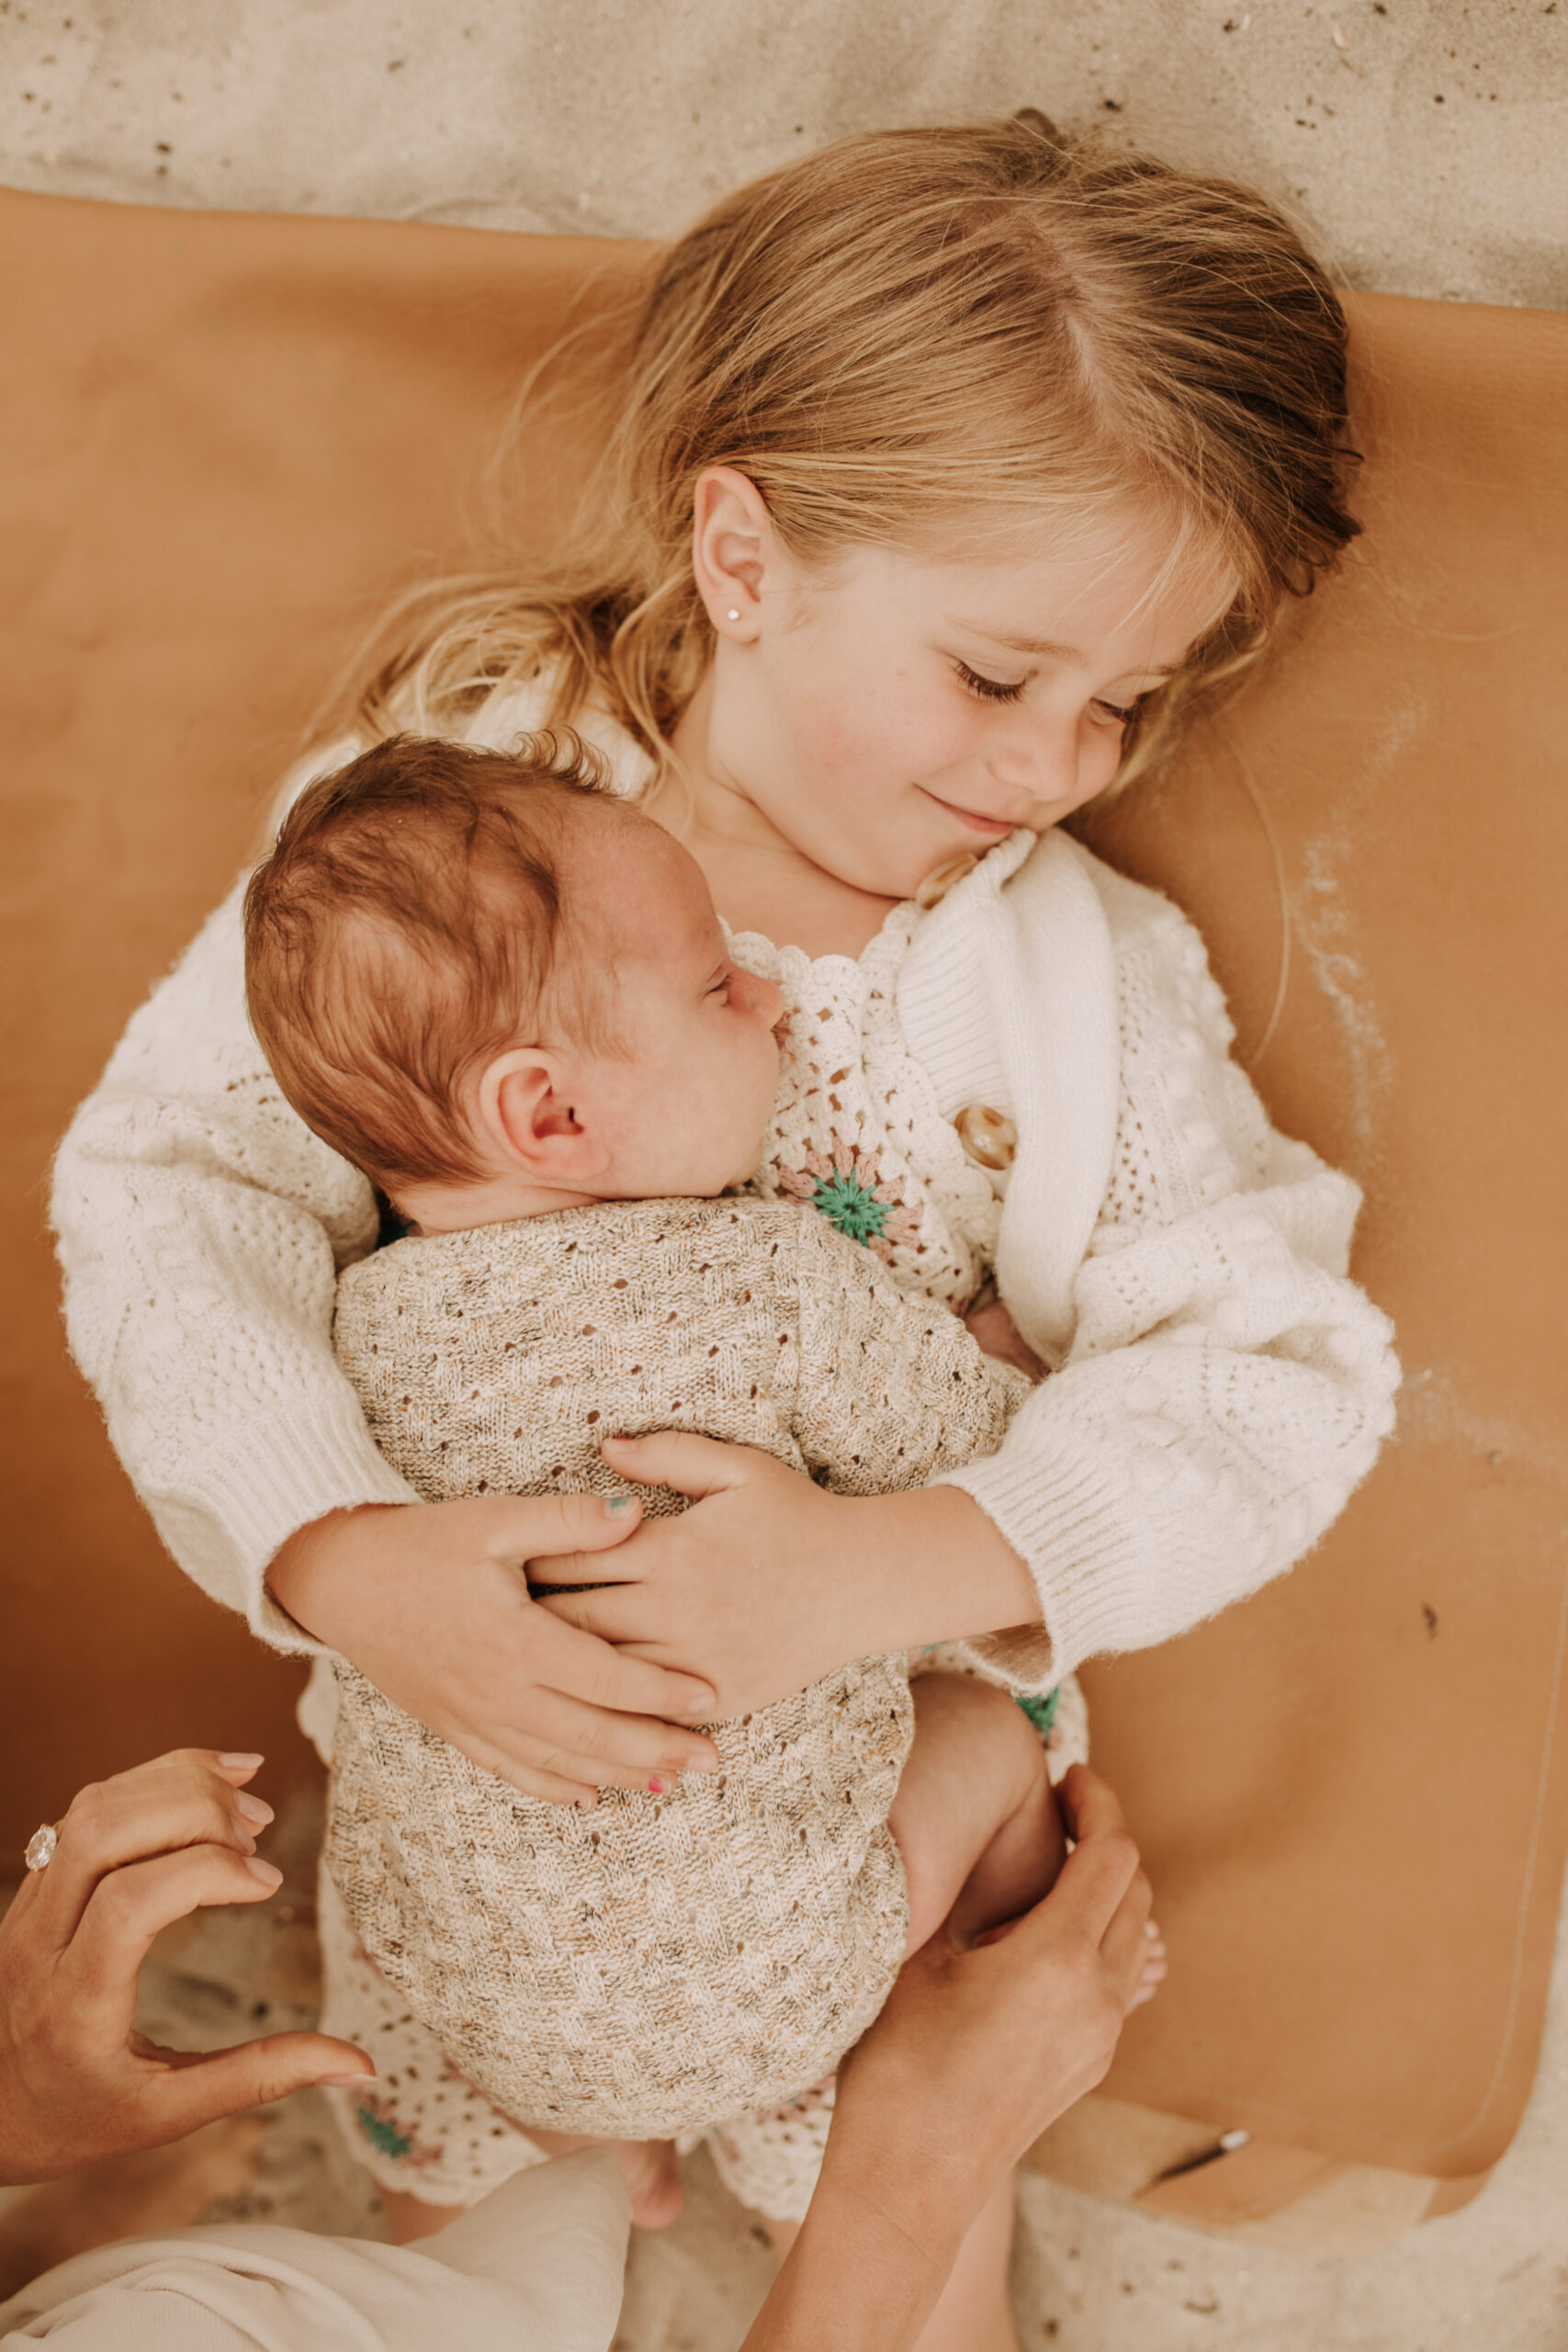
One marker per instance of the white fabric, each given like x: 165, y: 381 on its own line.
x: 538, y: 2267
x: 1220, y: 1387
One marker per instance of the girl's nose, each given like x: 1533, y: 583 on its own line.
x: 1040, y: 758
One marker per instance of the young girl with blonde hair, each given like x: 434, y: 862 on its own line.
x: 953, y: 468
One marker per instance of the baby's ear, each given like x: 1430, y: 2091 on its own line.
x: 525, y: 1110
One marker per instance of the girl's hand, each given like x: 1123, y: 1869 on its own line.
x: 988, y: 1323
x: 134, y: 1853
x: 770, y: 1582
x: 431, y: 1601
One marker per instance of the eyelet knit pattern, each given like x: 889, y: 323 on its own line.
x: 663, y: 1962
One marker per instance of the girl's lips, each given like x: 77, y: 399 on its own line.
x: 995, y: 826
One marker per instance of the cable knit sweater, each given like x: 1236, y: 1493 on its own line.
x: 1219, y: 1386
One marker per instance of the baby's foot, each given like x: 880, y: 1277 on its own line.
x: 652, y: 2171
x: 1154, y: 1969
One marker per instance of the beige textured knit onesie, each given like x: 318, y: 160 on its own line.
x: 656, y: 1963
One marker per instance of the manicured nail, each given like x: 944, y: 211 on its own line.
x: 253, y: 1809
x: 238, y: 1763
x: 656, y: 1786
x: 620, y: 1506
x: 268, y: 1873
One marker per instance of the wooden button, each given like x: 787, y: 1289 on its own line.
x: 988, y: 1137
x: 937, y: 885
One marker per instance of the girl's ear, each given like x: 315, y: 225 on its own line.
x: 733, y: 550
x: 527, y: 1118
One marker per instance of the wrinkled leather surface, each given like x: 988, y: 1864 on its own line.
x: 227, y: 438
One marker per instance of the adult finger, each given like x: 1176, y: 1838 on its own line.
x: 1125, y: 1947
x: 188, y: 2091
x: 1097, y: 1875
x: 179, y: 1799
x: 567, y: 1660
x: 130, y: 1906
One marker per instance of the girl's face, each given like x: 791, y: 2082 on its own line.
x: 900, y: 710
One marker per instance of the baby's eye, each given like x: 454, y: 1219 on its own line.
x: 990, y: 689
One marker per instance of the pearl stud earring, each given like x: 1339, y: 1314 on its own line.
x: 733, y: 613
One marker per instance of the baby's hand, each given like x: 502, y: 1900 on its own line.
x: 989, y: 1322
x: 431, y: 1601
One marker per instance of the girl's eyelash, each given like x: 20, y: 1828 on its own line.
x: 996, y: 690
x: 990, y: 689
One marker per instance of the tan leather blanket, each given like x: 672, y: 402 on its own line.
x: 226, y: 439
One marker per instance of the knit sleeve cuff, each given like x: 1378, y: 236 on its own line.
x: 224, y: 1526
x: 1083, y: 1548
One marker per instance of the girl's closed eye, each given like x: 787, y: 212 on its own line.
x: 990, y: 689
x: 1003, y: 690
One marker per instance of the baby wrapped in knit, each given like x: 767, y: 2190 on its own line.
x: 505, y: 995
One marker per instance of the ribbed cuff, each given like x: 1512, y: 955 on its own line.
x: 288, y: 1471
x: 1085, y: 1552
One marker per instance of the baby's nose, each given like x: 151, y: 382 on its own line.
x: 770, y: 999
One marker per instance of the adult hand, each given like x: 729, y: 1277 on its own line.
x: 770, y: 1582
x: 78, y: 2084
x: 975, y: 2053
x: 431, y: 1601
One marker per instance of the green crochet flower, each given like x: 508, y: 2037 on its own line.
x: 851, y: 1205
x: 382, y: 2134
x: 1041, y: 1712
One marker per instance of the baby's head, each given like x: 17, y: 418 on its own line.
x: 499, y: 990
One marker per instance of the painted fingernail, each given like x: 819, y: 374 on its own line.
x: 656, y: 1786
x: 239, y: 1763
x: 253, y: 1809
x: 268, y: 1873
x: 619, y: 1506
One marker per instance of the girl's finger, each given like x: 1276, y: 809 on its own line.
x: 567, y: 1738
x: 611, y: 1612
x: 132, y: 1905
x: 681, y: 1460
x: 567, y: 1660
x: 179, y: 1799
x: 520, y: 1528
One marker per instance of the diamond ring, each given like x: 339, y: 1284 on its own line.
x: 42, y: 1845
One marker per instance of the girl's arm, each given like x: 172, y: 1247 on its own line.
x: 1225, y: 1391
x: 201, y: 1226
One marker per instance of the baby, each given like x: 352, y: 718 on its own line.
x: 504, y: 994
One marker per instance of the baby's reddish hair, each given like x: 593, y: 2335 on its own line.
x: 404, y: 931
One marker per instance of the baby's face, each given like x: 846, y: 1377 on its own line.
x: 683, y: 1093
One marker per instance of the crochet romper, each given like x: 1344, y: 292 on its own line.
x: 659, y: 1963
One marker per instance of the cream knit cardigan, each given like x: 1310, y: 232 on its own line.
x: 1219, y: 1386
